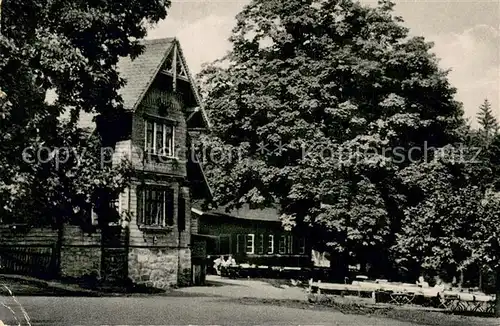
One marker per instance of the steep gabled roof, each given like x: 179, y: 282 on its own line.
x: 140, y: 73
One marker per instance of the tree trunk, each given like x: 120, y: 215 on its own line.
x: 339, y: 267
x: 480, y: 279
x: 497, y: 292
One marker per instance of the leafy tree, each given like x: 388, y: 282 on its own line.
x: 321, y: 102
x: 68, y: 48
x: 487, y: 121
x: 453, y: 224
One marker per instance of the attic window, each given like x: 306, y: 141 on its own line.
x: 159, y: 138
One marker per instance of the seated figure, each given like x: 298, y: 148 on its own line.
x: 230, y: 261
x: 218, y: 263
x: 422, y: 283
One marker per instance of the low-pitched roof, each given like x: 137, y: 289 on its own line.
x: 243, y: 213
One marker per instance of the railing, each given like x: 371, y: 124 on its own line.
x: 39, y: 261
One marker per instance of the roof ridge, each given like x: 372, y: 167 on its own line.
x: 157, y: 40
x: 193, y: 84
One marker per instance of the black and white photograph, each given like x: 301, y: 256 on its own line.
x: 250, y: 162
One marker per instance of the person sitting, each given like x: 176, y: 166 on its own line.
x: 230, y: 261
x: 440, y: 286
x: 218, y: 263
x: 422, y: 283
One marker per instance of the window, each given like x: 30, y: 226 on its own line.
x: 290, y: 244
x: 260, y: 251
x: 250, y: 244
x: 155, y: 206
x: 159, y: 139
x: 302, y: 246
x: 270, y: 248
x: 282, y: 245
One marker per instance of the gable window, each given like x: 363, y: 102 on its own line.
x: 159, y: 139
x: 270, y: 247
x: 250, y: 244
x: 260, y: 249
x: 155, y: 206
x: 282, y: 245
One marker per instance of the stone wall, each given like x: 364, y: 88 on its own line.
x: 80, y: 261
x: 157, y: 267
x: 80, y: 253
x: 185, y: 275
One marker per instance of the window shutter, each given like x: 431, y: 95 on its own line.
x: 238, y: 236
x: 181, y: 209
x: 241, y: 243
x: 261, y: 244
x: 140, y: 206
x: 170, y: 206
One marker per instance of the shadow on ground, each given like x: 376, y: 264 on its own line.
x: 213, y: 283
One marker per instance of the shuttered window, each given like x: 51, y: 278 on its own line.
x: 270, y: 245
x: 282, y: 245
x: 302, y: 246
x: 250, y: 242
x: 260, y: 246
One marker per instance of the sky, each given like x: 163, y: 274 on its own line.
x: 466, y: 36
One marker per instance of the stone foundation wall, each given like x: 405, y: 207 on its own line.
x: 185, y: 274
x: 80, y: 253
x: 157, y: 267
x: 80, y: 261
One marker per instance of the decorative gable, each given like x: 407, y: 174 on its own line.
x: 165, y: 57
x: 174, y: 59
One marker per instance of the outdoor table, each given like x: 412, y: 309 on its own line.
x: 484, y: 303
x: 451, y: 301
x: 399, y: 293
x: 401, y: 298
x: 337, y: 288
x: 460, y: 301
x: 232, y: 271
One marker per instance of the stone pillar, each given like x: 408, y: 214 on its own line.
x: 80, y: 253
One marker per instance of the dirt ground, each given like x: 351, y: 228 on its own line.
x: 282, y: 293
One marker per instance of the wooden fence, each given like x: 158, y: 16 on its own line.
x: 37, y: 261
